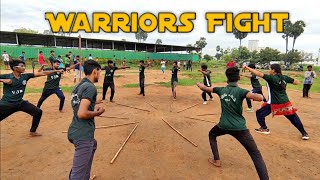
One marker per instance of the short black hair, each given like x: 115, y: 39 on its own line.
x: 51, y: 51
x: 59, y: 56
x: 89, y: 54
x: 4, y: 51
x: 142, y: 61
x: 77, y: 56
x: 309, y: 66
x: 70, y: 52
x: 175, y: 62
x: 253, y: 66
x: 40, y: 51
x: 23, y: 52
x: 89, y: 66
x: 56, y: 61
x: 233, y: 74
x: 110, y: 62
x: 15, y: 62
x: 203, y: 66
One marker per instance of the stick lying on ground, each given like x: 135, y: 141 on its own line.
x: 150, y: 104
x: 114, y: 117
x: 205, y: 114
x: 132, y: 107
x: 199, y: 119
x: 187, y: 108
x: 116, y: 125
x: 180, y: 133
x: 115, y: 156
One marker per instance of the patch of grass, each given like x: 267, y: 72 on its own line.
x: 131, y: 86
x: 117, y: 76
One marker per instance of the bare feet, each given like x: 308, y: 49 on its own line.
x: 34, y: 134
x: 217, y: 163
x: 93, y: 177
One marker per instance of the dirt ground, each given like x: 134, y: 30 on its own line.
x: 154, y: 150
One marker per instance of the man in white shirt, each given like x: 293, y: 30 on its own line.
x: 6, y: 59
x: 308, y: 81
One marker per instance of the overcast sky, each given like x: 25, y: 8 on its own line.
x: 31, y: 14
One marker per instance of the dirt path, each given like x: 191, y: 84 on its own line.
x: 155, y: 151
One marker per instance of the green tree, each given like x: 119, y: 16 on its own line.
x: 254, y: 56
x: 141, y: 35
x: 268, y: 54
x: 207, y: 57
x: 294, y: 56
x: 201, y: 43
x: 297, y: 30
x: 158, y: 41
x: 123, y: 40
x: 25, y: 30
x: 219, y: 52
x: 239, y: 35
x: 287, y: 32
x: 47, y: 32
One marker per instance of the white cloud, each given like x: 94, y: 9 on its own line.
x: 30, y: 14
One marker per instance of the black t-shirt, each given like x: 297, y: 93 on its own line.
x: 53, y: 80
x: 109, y: 74
x: 13, y: 93
x: 255, y: 81
x: 141, y: 71
x: 174, y: 74
x: 207, y: 79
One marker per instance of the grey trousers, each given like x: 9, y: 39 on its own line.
x: 82, y: 160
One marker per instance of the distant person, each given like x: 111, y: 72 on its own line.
x: 256, y: 87
x: 163, y: 66
x: 108, y: 79
x: 174, y: 79
x: 179, y: 64
x: 41, y: 60
x: 308, y: 81
x: 61, y: 65
x: 142, y: 66
x: 190, y: 68
x: 6, y: 60
x: 124, y: 63
x: 77, y: 69
x: 90, y: 57
x: 184, y: 65
x: 51, y: 58
x: 244, y: 64
x: 66, y: 61
x: 207, y: 82
x: 23, y: 57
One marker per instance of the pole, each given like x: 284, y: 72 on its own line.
x: 80, y: 66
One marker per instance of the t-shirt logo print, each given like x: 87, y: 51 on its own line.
x: 228, y: 97
x: 75, y: 99
x: 24, y: 82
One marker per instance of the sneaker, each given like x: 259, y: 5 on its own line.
x: 211, y: 99
x: 262, y: 131
x: 205, y: 102
x: 249, y: 110
x: 305, y: 137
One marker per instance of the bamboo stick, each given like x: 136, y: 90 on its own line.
x: 180, y: 133
x: 132, y: 107
x: 199, y: 119
x: 205, y: 114
x: 114, y: 117
x: 116, y: 125
x: 188, y: 108
x: 116, y: 155
x: 150, y: 104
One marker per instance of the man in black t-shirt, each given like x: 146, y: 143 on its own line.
x: 142, y: 67
x: 52, y: 85
x: 207, y: 82
x: 14, y: 86
x: 174, y: 79
x: 108, y: 79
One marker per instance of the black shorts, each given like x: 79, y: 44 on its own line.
x: 6, y: 62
